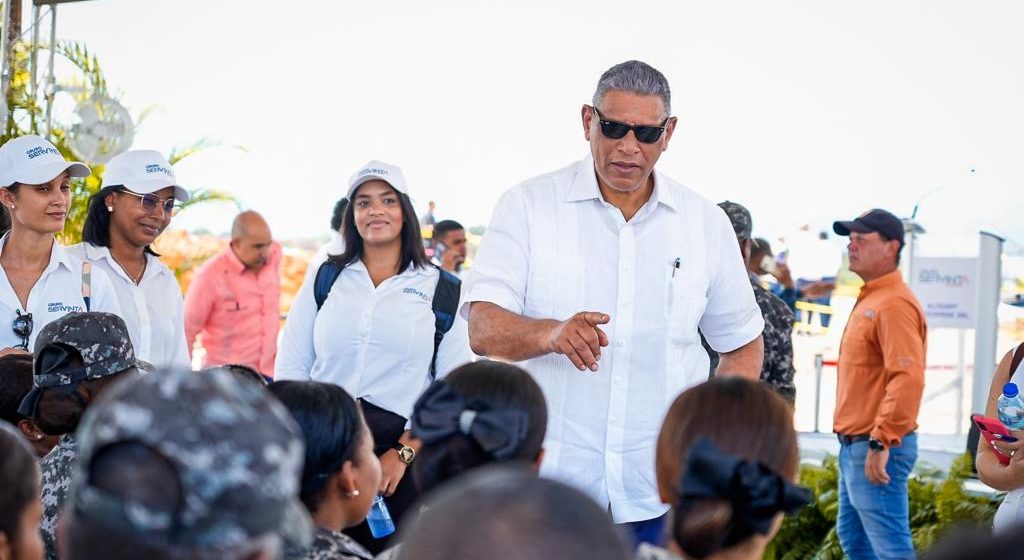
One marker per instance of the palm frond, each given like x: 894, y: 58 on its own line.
x: 204, y: 196
x: 79, y: 55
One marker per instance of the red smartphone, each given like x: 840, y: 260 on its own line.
x: 990, y: 429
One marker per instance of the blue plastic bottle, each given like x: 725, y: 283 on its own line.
x: 1011, y: 407
x: 379, y: 519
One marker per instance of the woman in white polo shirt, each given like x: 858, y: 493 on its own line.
x: 139, y: 195
x: 374, y: 334
x: 39, y: 280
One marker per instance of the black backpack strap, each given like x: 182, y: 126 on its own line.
x: 445, y: 306
x: 326, y: 275
x: 1018, y: 357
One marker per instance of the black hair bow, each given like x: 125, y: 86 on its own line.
x: 441, y: 413
x: 755, y: 492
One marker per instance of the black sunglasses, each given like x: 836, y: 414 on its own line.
x: 22, y: 327
x: 616, y: 130
x: 150, y: 202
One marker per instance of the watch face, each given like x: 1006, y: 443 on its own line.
x: 406, y: 454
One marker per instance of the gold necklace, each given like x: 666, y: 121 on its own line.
x: 135, y: 279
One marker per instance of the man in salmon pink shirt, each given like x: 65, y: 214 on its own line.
x: 233, y: 304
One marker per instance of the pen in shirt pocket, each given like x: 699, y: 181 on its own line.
x: 675, y: 266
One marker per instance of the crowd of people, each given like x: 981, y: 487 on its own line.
x: 609, y: 380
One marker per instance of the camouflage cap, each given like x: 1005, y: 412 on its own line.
x: 237, y: 453
x: 100, y: 339
x: 742, y: 224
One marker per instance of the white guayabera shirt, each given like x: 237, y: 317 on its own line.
x: 554, y: 248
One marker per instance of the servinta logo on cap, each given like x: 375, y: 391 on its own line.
x: 156, y: 168
x: 41, y: 151
x: 373, y: 171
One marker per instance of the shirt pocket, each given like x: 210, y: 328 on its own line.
x: 554, y: 288
x: 229, y: 308
x: 859, y: 347
x: 685, y: 300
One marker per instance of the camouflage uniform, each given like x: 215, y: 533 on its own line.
x: 56, y: 470
x: 237, y: 453
x: 777, y: 370
x: 329, y: 545
x: 778, y: 367
x: 102, y: 341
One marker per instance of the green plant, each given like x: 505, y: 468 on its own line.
x: 937, y: 502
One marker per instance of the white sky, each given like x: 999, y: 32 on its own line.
x: 804, y: 111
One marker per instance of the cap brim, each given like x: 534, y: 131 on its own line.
x: 49, y: 172
x: 180, y: 193
x: 845, y: 228
x: 296, y: 526
x: 364, y: 179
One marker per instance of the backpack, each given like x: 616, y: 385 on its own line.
x: 445, y: 304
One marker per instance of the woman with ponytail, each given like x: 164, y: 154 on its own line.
x: 726, y: 461
x: 483, y: 412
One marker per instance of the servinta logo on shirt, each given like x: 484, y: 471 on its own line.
x: 60, y: 307
x: 416, y: 293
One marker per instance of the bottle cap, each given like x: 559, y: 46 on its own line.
x: 1010, y: 390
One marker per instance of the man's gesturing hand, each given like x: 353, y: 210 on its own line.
x: 580, y: 339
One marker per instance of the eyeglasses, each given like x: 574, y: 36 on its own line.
x: 616, y: 130
x: 150, y: 202
x: 22, y: 327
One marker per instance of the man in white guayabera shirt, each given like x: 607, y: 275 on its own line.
x: 598, y: 276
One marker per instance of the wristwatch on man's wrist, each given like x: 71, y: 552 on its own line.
x: 405, y: 453
x: 876, y: 445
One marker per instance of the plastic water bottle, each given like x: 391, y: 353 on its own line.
x: 1011, y: 407
x: 380, y: 521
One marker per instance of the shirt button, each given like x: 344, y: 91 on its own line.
x: 620, y: 343
x: 627, y: 266
x: 618, y: 381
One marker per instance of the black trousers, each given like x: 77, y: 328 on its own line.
x: 386, y: 427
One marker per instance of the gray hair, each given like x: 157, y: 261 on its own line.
x: 634, y: 76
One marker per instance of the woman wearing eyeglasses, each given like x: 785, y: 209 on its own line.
x: 139, y: 196
x: 373, y: 328
x: 40, y: 281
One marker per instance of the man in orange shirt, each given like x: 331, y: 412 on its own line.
x: 234, y: 300
x: 880, y: 383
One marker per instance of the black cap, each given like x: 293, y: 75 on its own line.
x: 889, y: 226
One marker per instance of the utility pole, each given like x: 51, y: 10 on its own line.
x: 10, y: 33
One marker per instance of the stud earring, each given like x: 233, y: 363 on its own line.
x: 39, y: 437
x: 353, y: 494
x: 110, y: 209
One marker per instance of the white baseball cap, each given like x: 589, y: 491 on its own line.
x: 32, y: 160
x: 380, y: 171
x: 143, y: 172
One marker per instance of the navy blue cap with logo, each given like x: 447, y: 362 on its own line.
x: 876, y: 220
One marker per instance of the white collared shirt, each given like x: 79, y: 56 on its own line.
x: 554, y: 248
x: 57, y: 293
x: 152, y: 309
x: 376, y: 343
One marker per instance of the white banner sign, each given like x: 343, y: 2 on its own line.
x: 947, y: 291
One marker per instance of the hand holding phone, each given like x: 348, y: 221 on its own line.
x: 993, y: 431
